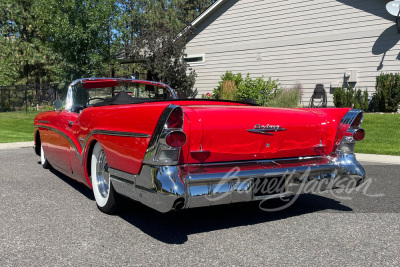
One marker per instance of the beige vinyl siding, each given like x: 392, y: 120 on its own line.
x: 298, y: 41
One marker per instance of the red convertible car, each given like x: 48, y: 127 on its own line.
x: 134, y: 138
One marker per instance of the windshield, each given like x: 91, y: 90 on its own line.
x: 82, y: 95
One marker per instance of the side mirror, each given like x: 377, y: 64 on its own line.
x: 58, y: 104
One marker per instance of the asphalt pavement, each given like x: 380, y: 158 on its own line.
x: 47, y: 219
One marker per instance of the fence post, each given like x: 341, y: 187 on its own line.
x: 26, y: 99
x: 137, y: 85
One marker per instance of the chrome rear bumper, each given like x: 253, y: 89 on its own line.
x: 165, y: 188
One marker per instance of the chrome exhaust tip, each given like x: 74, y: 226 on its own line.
x: 178, y: 204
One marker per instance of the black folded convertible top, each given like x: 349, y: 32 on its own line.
x: 122, y: 98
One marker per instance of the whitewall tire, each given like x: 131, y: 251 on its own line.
x: 104, y: 194
x: 43, y: 160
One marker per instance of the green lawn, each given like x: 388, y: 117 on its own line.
x: 382, y: 131
x: 382, y: 134
x: 16, y: 126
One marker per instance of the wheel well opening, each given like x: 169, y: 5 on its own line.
x: 37, y: 143
x: 89, y: 160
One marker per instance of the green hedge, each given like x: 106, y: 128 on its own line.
x: 258, y: 89
x: 387, y: 97
x: 349, y: 98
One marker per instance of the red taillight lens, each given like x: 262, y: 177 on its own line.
x: 200, y: 155
x: 319, y: 150
x: 175, y: 119
x: 176, y: 139
x: 357, y: 121
x: 359, y: 135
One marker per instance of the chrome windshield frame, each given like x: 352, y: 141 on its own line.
x: 69, y: 100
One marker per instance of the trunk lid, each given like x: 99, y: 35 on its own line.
x: 227, y: 133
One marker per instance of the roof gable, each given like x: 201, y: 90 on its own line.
x: 207, y: 12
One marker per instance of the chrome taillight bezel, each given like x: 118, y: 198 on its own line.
x: 350, y: 123
x: 158, y: 151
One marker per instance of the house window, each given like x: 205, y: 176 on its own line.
x: 193, y: 60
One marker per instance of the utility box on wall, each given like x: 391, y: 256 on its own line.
x: 351, y: 75
x: 335, y: 85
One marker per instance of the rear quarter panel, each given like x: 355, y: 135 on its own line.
x: 123, y: 153
x: 331, y: 118
x: 54, y: 145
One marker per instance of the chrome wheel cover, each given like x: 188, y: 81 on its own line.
x: 102, y: 175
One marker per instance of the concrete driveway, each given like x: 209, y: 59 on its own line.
x: 48, y: 219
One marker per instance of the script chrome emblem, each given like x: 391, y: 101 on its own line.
x: 266, y: 129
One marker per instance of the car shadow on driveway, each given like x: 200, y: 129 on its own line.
x: 81, y: 188
x: 175, y: 227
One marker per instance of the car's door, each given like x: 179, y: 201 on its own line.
x: 58, y: 141
x: 76, y: 146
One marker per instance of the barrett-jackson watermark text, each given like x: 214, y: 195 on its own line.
x: 276, y: 187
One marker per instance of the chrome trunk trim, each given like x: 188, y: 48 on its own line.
x: 273, y: 162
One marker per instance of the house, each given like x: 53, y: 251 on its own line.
x: 327, y: 42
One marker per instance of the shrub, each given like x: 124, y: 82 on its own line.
x: 365, y: 101
x: 258, y: 89
x: 207, y: 96
x: 287, y: 98
x: 349, y: 98
x: 240, y: 88
x: 339, y: 97
x: 361, y: 100
x: 229, y: 90
x: 6, y: 107
x: 228, y: 76
x: 387, y: 97
x: 343, y: 98
x: 357, y: 99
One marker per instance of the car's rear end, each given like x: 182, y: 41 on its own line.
x: 202, y: 155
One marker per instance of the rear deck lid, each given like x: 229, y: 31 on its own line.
x: 237, y: 133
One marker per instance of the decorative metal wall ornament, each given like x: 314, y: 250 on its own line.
x: 393, y: 8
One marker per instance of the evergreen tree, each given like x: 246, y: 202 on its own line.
x: 59, y: 40
x: 188, y: 10
x: 24, y: 53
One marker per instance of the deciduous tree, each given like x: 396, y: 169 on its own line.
x: 82, y: 32
x: 159, y: 43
